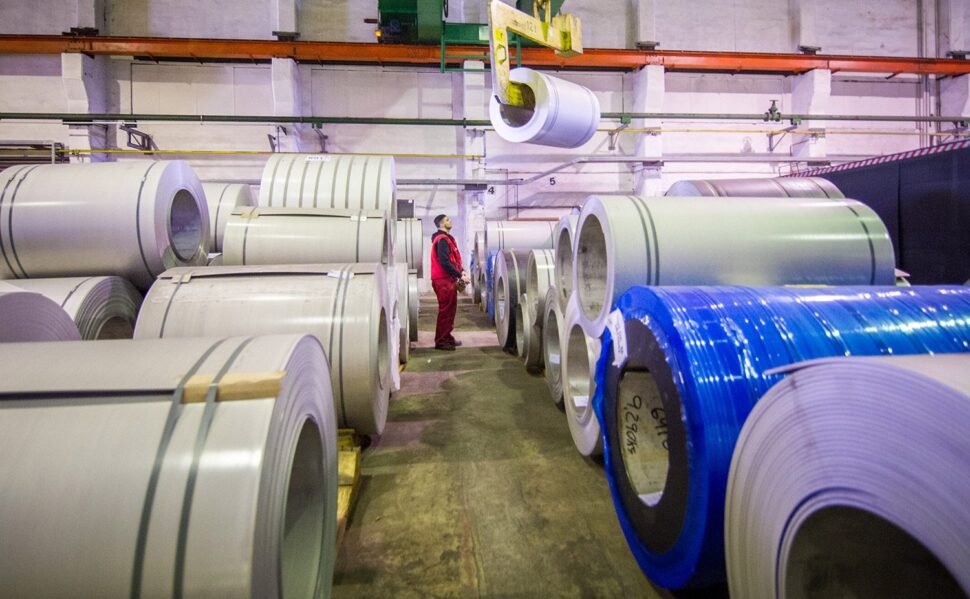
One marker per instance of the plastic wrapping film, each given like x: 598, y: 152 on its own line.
x: 409, y: 244
x: 345, y: 306
x: 520, y: 235
x: 305, y: 236
x: 29, y: 316
x: 855, y: 467
x: 177, y: 467
x: 223, y: 199
x: 414, y: 305
x: 780, y: 187
x: 552, y: 323
x: 563, y: 114
x: 133, y: 219
x: 403, y: 312
x: 623, y: 241
x: 509, y: 286
x: 490, y: 288
x: 682, y: 367
x: 563, y: 257
x: 579, y: 355
x: 101, y: 307
x: 330, y: 181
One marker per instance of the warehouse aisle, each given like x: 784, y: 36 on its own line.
x: 475, y: 489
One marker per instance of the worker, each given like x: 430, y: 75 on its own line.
x: 447, y: 277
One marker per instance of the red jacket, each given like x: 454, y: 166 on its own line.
x: 445, y: 257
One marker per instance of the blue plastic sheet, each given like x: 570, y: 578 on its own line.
x: 490, y: 285
x: 718, y: 343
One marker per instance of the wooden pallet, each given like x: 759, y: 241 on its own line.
x: 348, y: 477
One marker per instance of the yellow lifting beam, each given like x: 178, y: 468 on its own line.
x: 563, y: 33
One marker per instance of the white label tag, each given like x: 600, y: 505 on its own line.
x: 358, y: 217
x: 618, y: 331
x: 318, y: 158
x: 336, y: 274
x: 580, y: 401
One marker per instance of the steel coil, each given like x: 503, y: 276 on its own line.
x: 563, y: 252
x: 330, y: 181
x: 579, y: 355
x: 519, y: 235
x: 562, y: 114
x: 29, y: 316
x: 490, y: 287
x: 838, y: 470
x: 480, y: 250
x: 223, y: 199
x: 528, y: 335
x: 101, y: 307
x: 540, y: 276
x: 305, y: 236
x: 780, y: 187
x: 409, y: 244
x: 185, y: 467
x: 214, y: 260
x: 414, y: 305
x: 133, y: 219
x: 403, y: 311
x: 623, y: 241
x: 689, y: 364
x: 509, y: 285
x: 345, y: 306
x: 552, y: 324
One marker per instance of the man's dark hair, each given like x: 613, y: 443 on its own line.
x: 439, y: 218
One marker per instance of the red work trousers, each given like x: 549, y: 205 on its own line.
x: 447, y: 305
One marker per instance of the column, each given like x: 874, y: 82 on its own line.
x: 648, y: 96
x: 288, y: 100
x: 810, y: 94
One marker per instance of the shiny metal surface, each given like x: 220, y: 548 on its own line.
x: 133, y: 219
x: 330, y: 181
x: 509, y: 284
x: 624, y: 241
x: 540, y: 275
x: 769, y: 187
x: 305, y: 236
x: 403, y: 312
x: 579, y: 355
x: 565, y: 114
x: 833, y: 486
x: 409, y: 244
x: 414, y: 305
x: 563, y: 252
x: 345, y: 306
x: 101, y: 307
x: 222, y: 199
x: 518, y: 235
x: 552, y: 324
x: 176, y: 467
x: 29, y: 316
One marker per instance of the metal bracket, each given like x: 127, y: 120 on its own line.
x: 138, y: 140
x: 615, y: 134
x: 287, y: 36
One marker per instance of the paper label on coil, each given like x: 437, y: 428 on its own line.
x: 318, y: 158
x: 617, y: 327
x: 581, y: 401
x: 338, y: 274
x: 358, y: 217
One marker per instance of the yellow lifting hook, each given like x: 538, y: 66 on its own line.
x: 563, y: 33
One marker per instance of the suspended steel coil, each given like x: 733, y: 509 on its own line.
x: 409, y: 244
x: 779, y: 187
x: 624, y: 241
x: 176, y: 467
x: 133, y: 219
x: 223, y: 199
x: 305, y: 236
x: 330, y: 181
x: 29, y: 316
x: 101, y: 307
x: 345, y: 306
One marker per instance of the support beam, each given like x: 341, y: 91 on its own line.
x: 810, y: 95
x: 803, y: 24
x: 648, y: 96
x: 472, y: 96
x: 85, y: 91
x: 954, y: 26
x: 288, y: 102
x: 955, y: 96
x: 285, y: 16
x: 645, y: 23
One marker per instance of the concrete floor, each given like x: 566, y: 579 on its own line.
x: 475, y: 488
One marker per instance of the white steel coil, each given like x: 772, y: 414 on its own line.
x: 509, y: 285
x: 214, y: 260
x: 849, y: 479
x: 481, y: 251
x: 528, y: 336
x: 561, y: 113
x: 409, y: 244
x: 414, y: 305
x: 29, y: 316
x: 552, y: 324
x: 623, y: 241
x: 305, y: 236
x: 177, y: 467
x: 579, y: 355
x: 777, y: 187
x: 540, y: 275
x: 330, y: 181
x: 133, y: 219
x: 518, y: 234
x: 563, y: 251
x: 345, y: 306
x: 101, y: 307
x: 403, y: 312
x: 223, y: 199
